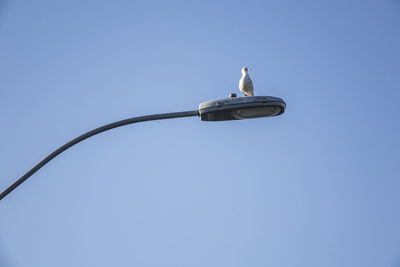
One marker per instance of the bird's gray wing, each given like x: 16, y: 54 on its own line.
x: 251, y: 84
x: 250, y: 88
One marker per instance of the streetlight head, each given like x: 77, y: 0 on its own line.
x: 238, y: 108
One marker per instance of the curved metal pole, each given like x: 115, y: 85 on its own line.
x: 91, y: 133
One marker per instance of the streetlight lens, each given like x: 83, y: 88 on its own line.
x: 248, y: 113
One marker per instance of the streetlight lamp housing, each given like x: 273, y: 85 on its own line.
x: 238, y: 108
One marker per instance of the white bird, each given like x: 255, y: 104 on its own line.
x: 245, y: 83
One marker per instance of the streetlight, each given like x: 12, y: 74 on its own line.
x: 238, y: 108
x: 232, y: 108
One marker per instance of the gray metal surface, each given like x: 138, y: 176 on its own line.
x: 221, y: 109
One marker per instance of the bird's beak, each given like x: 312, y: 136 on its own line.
x: 248, y: 69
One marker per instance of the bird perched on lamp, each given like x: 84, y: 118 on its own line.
x: 245, y: 83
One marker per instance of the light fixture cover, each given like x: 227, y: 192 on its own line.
x: 237, y: 108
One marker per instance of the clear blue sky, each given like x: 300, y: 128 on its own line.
x: 317, y: 186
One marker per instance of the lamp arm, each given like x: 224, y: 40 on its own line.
x: 84, y: 136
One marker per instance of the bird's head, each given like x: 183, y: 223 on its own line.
x: 245, y: 70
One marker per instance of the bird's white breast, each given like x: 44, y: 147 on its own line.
x: 244, y: 82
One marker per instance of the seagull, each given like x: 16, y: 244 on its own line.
x: 245, y: 83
